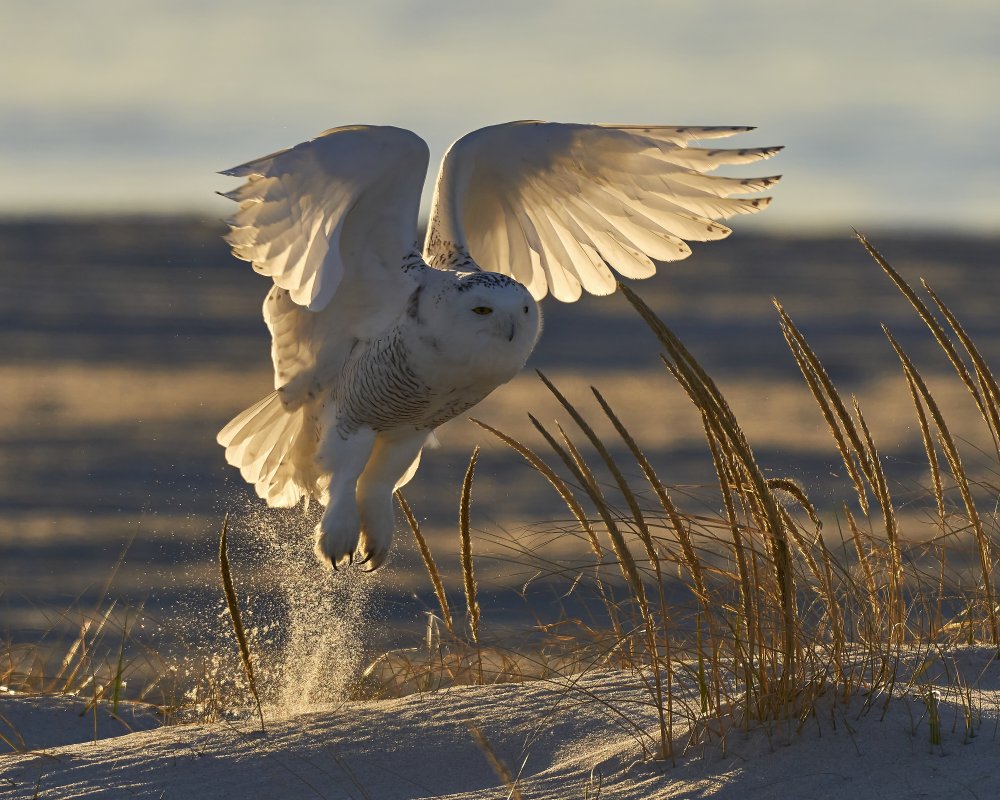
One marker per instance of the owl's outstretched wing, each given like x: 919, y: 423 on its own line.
x: 332, y: 221
x: 554, y: 204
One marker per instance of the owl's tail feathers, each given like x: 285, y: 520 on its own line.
x: 273, y: 451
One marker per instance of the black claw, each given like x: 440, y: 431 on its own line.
x: 350, y: 559
x: 365, y: 560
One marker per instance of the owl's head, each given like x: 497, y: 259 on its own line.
x: 493, y: 312
x: 496, y: 306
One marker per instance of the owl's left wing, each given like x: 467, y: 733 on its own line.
x: 332, y: 221
x: 331, y: 208
x: 554, y: 204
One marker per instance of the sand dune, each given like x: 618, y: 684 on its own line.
x: 574, y: 738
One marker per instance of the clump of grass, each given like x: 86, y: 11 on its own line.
x: 106, y: 660
x: 749, y: 618
x: 105, y: 655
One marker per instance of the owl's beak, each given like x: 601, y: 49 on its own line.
x: 506, y: 327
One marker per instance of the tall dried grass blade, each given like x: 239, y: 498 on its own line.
x: 804, y: 547
x: 576, y: 465
x: 699, y: 379
x: 864, y: 562
x: 496, y: 763
x: 958, y: 473
x: 468, y: 573
x: 832, y: 406
x: 727, y: 458
x: 680, y: 530
x: 933, y: 325
x: 751, y: 617
x: 834, y: 610
x: 234, y: 612
x: 928, y: 441
x: 429, y: 563
x: 632, y: 576
x: 881, y: 487
x: 626, y: 562
x: 71, y: 653
x: 571, y: 465
x: 557, y: 483
x: 85, y: 627
x: 789, y: 486
x: 984, y: 375
x: 82, y: 642
x: 119, y: 667
x: 19, y: 746
x: 611, y: 464
x: 571, y: 502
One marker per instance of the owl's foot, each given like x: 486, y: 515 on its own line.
x: 373, y: 549
x: 332, y: 549
x: 345, y: 538
x: 340, y: 548
x: 337, y: 537
x: 340, y: 553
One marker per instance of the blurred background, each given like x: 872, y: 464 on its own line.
x: 887, y: 108
x: 129, y: 336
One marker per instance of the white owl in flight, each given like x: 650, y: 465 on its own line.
x: 376, y: 343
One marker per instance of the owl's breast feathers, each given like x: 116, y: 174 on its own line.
x: 408, y: 378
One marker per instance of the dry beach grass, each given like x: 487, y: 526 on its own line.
x: 773, y: 616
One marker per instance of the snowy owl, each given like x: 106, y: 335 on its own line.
x: 375, y: 343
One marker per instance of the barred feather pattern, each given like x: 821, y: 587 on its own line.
x: 379, y: 388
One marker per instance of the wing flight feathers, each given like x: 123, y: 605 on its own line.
x: 552, y: 204
x: 344, y: 201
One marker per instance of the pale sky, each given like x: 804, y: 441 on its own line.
x: 890, y: 110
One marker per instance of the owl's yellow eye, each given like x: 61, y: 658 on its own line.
x: 482, y: 310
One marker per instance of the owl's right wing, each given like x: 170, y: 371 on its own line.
x: 332, y: 221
